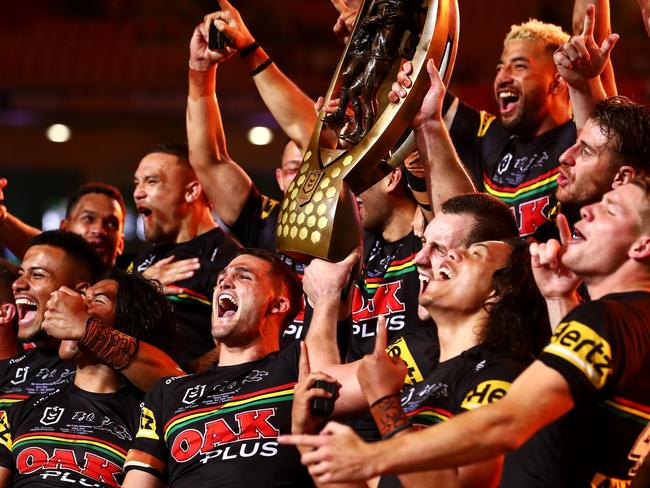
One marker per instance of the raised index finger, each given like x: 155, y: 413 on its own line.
x: 304, y: 368
x: 563, y: 228
x: 588, y: 29
x: 381, y: 338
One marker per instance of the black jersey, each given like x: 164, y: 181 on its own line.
x: 390, y: 286
x: 193, y: 304
x: 222, y: 425
x: 418, y: 348
x: 522, y: 172
x: 602, y: 350
x: 255, y: 225
x: 70, y: 437
x: 470, y: 380
x: 37, y: 371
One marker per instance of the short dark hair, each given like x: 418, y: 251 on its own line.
x: 74, y: 246
x: 283, y: 272
x: 493, y: 219
x: 8, y: 274
x: 182, y: 153
x: 518, y: 321
x: 626, y: 125
x: 178, y: 149
x: 95, y: 187
x: 143, y: 312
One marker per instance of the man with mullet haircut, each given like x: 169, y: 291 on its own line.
x: 578, y: 415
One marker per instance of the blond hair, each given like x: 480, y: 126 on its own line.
x: 551, y: 35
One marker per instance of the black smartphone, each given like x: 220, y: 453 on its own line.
x: 323, y: 407
x: 216, y: 39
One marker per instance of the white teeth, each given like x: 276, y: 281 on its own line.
x: 224, y: 297
x: 443, y: 274
x: 507, y: 94
x: 26, y: 301
x: 424, y: 278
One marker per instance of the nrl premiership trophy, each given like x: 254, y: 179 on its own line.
x: 319, y: 217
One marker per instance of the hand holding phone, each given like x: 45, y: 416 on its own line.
x: 216, y: 39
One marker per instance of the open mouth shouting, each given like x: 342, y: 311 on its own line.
x: 144, y: 211
x: 227, y: 305
x: 27, y: 310
x: 508, y: 101
x: 444, y: 273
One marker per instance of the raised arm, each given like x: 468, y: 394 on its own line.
x: 602, y: 30
x: 288, y: 104
x: 14, y: 233
x: 142, y: 364
x: 226, y: 184
x: 445, y: 174
x: 580, y: 62
x: 323, y: 283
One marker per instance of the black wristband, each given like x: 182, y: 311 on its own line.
x: 446, y: 102
x: 261, y: 67
x: 248, y: 49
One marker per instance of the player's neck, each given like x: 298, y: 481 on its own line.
x: 618, y: 282
x: 458, y: 332
x: 399, y: 221
x: 195, y: 224
x: 233, y: 355
x: 97, y: 378
x: 554, y: 118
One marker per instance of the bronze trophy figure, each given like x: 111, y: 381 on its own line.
x: 319, y: 217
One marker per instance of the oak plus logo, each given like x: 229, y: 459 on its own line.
x: 52, y: 415
x: 193, y: 393
x: 585, y: 349
x: 63, y: 465
x: 215, y: 439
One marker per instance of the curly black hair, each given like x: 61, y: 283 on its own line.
x: 518, y: 319
x: 143, y: 312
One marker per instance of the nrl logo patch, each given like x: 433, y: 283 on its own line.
x: 52, y: 415
x: 193, y: 394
